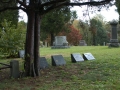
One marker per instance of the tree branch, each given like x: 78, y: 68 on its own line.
x: 2, y: 1
x: 93, y: 3
x: 12, y: 8
x: 22, y: 4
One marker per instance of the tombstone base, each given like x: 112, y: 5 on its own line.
x: 114, y: 43
x: 60, y: 47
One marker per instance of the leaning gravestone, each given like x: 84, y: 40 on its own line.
x: 58, y: 60
x: 21, y: 53
x: 43, y: 63
x: 76, y: 57
x: 88, y: 56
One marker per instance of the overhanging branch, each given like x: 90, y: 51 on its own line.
x: 12, y: 8
x: 3, y: 1
x: 22, y: 3
x: 93, y: 3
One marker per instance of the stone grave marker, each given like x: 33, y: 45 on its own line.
x: 58, y: 60
x: 43, y: 63
x: 14, y: 70
x: 60, y: 42
x: 88, y: 56
x: 76, y: 57
x: 114, y: 42
x: 82, y: 43
x: 21, y: 53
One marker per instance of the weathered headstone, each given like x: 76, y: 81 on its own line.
x: 82, y: 43
x: 114, y: 41
x: 88, y: 56
x: 15, y: 73
x: 76, y: 57
x: 21, y: 53
x: 60, y: 42
x: 58, y: 60
x: 43, y: 63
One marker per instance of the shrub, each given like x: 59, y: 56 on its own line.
x: 11, y: 39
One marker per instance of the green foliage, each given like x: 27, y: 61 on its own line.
x: 84, y: 29
x: 56, y: 21
x: 118, y: 7
x: 98, y: 31
x: 9, y: 15
x: 11, y: 39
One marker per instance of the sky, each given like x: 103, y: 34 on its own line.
x: 108, y: 15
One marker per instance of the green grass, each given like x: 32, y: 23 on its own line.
x: 103, y: 73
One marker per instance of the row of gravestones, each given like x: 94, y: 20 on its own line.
x: 58, y: 60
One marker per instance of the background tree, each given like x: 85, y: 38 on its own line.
x: 118, y: 8
x: 74, y: 36
x: 10, y: 16
x: 35, y: 9
x: 84, y: 29
x: 12, y: 39
x: 56, y: 21
x: 97, y: 28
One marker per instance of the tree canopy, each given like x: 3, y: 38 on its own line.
x: 10, y: 16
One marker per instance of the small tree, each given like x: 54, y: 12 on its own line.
x: 74, y: 36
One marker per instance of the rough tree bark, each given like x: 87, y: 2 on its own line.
x: 29, y: 45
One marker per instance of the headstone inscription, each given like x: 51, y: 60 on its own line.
x: 58, y: 60
x: 43, y: 63
x: 76, y: 57
x: 21, y: 53
x: 88, y: 56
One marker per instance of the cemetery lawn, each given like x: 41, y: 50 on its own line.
x: 103, y: 73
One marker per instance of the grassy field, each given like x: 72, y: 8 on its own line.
x: 103, y: 73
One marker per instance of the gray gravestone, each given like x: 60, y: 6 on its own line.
x: 58, y: 60
x: 76, y: 57
x: 21, y: 53
x: 88, y: 56
x: 43, y: 63
x: 114, y: 41
x: 60, y: 42
x: 82, y: 43
x: 14, y: 69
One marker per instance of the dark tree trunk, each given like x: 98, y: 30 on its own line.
x: 32, y: 42
x: 29, y: 46
x: 36, y: 44
x: 32, y: 45
x: 52, y: 39
x: 94, y: 39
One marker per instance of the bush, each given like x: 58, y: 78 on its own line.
x: 11, y: 39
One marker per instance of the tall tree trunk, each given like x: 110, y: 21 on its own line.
x: 36, y: 43
x: 29, y: 45
x: 52, y: 38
